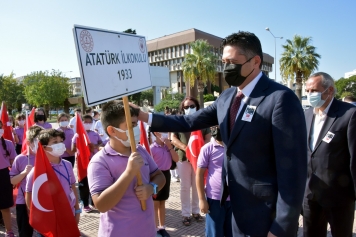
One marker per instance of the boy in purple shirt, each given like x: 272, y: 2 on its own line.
x: 52, y: 142
x: 112, y: 179
x: 94, y: 144
x: 20, y: 168
x: 218, y: 218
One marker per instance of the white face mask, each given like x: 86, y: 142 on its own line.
x: 190, y: 111
x: 64, y: 124
x: 57, y: 149
x: 92, y: 114
x: 314, y: 99
x: 21, y: 122
x: 164, y: 137
x: 1, y: 132
x: 34, y: 146
x: 127, y: 142
x: 88, y: 126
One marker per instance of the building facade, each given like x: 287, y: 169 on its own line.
x: 169, y: 51
x: 75, y: 86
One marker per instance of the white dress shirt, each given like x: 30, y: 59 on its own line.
x: 319, y: 120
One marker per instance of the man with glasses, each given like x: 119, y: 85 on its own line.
x: 263, y: 131
x: 330, y: 192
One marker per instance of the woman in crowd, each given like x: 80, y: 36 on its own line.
x: 41, y: 118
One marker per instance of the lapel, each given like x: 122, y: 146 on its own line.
x: 224, y: 126
x: 330, y: 119
x: 255, y: 98
x: 309, y: 118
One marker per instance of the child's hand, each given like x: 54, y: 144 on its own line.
x: 144, y: 191
x: 135, y: 163
x: 204, y: 206
x: 27, y: 169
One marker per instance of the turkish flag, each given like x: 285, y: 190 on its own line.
x: 83, y: 152
x: 50, y: 211
x: 30, y: 121
x: 143, y: 138
x: 192, y: 151
x: 6, y: 125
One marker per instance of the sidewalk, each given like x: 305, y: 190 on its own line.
x: 89, y: 222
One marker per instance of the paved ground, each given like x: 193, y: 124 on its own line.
x: 89, y: 223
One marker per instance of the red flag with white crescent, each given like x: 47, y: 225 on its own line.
x: 50, y: 211
x: 6, y: 125
x: 83, y: 152
x: 143, y: 138
x: 30, y: 121
x: 195, y: 143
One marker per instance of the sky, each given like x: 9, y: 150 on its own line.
x: 37, y: 35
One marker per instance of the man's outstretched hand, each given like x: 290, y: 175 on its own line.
x: 143, y: 116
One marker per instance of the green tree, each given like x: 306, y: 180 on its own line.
x: 170, y: 101
x: 46, y: 89
x: 11, y: 92
x: 298, y: 60
x: 199, y: 66
x: 147, y: 95
x: 130, y: 31
x: 345, y: 86
x: 209, y: 97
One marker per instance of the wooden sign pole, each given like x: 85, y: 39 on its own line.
x: 132, y: 142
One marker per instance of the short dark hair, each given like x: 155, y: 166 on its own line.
x: 113, y: 114
x: 247, y: 42
x: 20, y: 116
x: 62, y: 115
x: 88, y: 110
x: 196, y: 102
x: 87, y: 116
x: 33, y: 132
x: 95, y: 113
x: 47, y: 134
x: 44, y: 113
x: 350, y: 98
x: 78, y: 110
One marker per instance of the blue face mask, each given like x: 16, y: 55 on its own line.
x: 315, y: 100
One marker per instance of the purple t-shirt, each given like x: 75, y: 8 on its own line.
x: 18, y: 166
x: 126, y: 218
x: 45, y: 125
x: 162, y: 156
x: 19, y: 132
x: 211, y: 157
x: 63, y: 167
x: 68, y: 132
x: 94, y: 138
x: 5, y: 160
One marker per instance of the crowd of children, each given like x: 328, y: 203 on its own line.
x: 111, y: 182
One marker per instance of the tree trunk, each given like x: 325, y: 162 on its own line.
x: 299, y: 86
x: 200, y: 87
x: 201, y: 99
x: 66, y: 105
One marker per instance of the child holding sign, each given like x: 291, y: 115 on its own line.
x: 112, y: 179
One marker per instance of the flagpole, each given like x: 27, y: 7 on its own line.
x: 132, y: 142
x: 28, y: 146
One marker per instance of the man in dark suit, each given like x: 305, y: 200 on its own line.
x: 263, y: 130
x: 330, y: 190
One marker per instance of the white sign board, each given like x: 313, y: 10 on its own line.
x: 112, y: 64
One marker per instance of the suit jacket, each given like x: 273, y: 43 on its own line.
x: 265, y: 159
x: 332, y: 166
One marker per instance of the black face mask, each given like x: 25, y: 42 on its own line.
x: 232, y: 73
x: 216, y: 134
x: 40, y: 117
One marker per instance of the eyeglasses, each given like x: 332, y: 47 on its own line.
x: 189, y: 106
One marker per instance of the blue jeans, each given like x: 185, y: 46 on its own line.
x: 218, y: 221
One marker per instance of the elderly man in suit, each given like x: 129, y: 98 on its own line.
x: 263, y: 130
x: 330, y: 191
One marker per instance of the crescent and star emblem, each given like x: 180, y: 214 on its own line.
x: 191, y: 140
x: 36, y: 187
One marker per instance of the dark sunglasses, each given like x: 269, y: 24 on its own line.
x: 190, y: 106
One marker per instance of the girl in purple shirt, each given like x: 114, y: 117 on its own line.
x: 18, y: 131
x: 7, y: 156
x: 63, y: 122
x: 163, y: 153
x: 41, y: 118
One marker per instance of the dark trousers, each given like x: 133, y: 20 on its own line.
x: 218, y: 221
x: 23, y: 223
x: 84, y: 192
x: 18, y: 148
x: 71, y: 159
x: 317, y: 217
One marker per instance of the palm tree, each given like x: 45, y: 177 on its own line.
x: 199, y: 66
x: 298, y: 60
